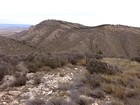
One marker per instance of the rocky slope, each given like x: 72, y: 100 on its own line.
x: 71, y: 85
x: 53, y: 36
x: 12, y: 47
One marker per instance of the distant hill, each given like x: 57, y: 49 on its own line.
x: 12, y: 26
x: 54, y: 36
x: 10, y: 29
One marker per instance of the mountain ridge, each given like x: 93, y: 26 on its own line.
x: 57, y: 36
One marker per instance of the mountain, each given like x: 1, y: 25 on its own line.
x: 55, y: 35
x: 12, y: 47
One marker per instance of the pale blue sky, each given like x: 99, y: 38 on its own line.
x: 87, y: 12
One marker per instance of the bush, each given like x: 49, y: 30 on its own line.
x: 96, y: 66
x: 32, y: 67
x: 64, y: 86
x: 137, y: 59
x: 5, y: 69
x: 117, y: 102
x: 116, y: 90
x: 75, y: 96
x: 96, y: 93
x: 53, y: 61
x: 93, y: 80
x: 132, y: 101
x: 3, y: 72
x: 74, y: 57
x: 20, y: 80
x: 36, y: 101
x: 56, y: 101
x: 61, y: 101
x: 7, y: 81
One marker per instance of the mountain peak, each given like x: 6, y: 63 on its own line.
x: 59, y: 23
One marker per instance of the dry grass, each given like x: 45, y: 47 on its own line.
x: 117, y: 91
x: 116, y: 102
x: 36, y: 101
x: 82, y: 62
x: 123, y: 86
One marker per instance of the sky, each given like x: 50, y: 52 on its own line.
x: 87, y: 12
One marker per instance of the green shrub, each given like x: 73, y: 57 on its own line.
x: 99, y: 52
x: 96, y: 66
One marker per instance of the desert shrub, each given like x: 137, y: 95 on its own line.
x: 116, y: 90
x: 36, y: 101
x: 82, y: 101
x: 21, y: 67
x: 131, y: 93
x: 30, y: 57
x: 69, y: 103
x: 116, y: 102
x: 99, y: 52
x: 73, y: 58
x: 37, y: 80
x: 60, y: 101
x: 8, y: 64
x: 96, y: 66
x: 75, y: 96
x: 132, y: 101
x: 14, y: 60
x: 93, y: 56
x: 3, y: 71
x: 20, y: 80
x: 62, y: 58
x: 96, y: 93
x: 36, y: 61
x: 55, y: 101
x: 64, y: 86
x: 32, y: 67
x: 53, y: 62
x: 93, y: 80
x: 44, y: 68
x: 7, y: 81
x: 82, y: 62
x: 137, y: 59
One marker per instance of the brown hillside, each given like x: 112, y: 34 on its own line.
x: 112, y: 40
x: 12, y: 47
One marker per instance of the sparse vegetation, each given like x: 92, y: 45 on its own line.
x: 20, y: 80
x: 119, y: 79
x: 36, y: 101
x: 96, y: 66
x: 137, y: 59
x: 69, y: 67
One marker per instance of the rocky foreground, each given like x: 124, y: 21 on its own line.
x: 74, y: 85
x: 52, y: 84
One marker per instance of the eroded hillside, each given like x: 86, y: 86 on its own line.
x: 12, y: 47
x: 112, y: 40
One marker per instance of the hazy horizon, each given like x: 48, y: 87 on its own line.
x: 86, y: 12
